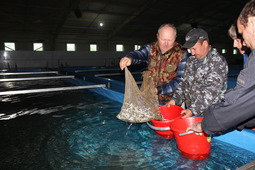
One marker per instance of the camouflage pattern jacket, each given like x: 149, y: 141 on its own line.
x: 166, y: 69
x: 204, y: 82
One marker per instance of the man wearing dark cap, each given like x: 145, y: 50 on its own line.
x: 237, y: 109
x: 204, y: 80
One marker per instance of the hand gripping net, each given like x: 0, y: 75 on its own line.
x: 139, y: 104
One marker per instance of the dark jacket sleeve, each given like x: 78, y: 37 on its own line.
x: 172, y: 85
x: 140, y: 56
x: 238, y: 109
x: 239, y: 114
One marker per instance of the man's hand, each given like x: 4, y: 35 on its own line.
x: 196, y: 127
x: 157, y: 110
x: 124, y: 62
x: 187, y: 113
x: 171, y: 102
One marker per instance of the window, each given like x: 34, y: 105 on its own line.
x: 223, y: 51
x: 93, y: 47
x: 38, y: 46
x: 234, y: 51
x: 119, y: 47
x: 9, y: 46
x: 70, y: 47
x: 137, y: 47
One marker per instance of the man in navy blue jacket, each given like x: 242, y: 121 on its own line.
x: 238, y: 109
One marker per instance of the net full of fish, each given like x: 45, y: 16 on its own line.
x: 139, y: 103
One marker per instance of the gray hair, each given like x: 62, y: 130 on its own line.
x: 168, y: 25
x: 233, y: 32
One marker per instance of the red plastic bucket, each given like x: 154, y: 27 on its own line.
x: 191, y: 146
x: 170, y: 114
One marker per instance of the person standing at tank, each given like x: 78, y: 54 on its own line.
x: 238, y: 42
x: 238, y: 108
x: 204, y: 80
x: 164, y: 58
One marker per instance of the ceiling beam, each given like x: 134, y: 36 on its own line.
x: 131, y: 17
x: 71, y: 4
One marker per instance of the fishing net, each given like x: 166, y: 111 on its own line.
x: 139, y: 104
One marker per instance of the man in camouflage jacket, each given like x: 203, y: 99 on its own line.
x: 237, y: 109
x: 204, y: 80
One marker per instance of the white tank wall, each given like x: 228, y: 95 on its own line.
x: 55, y: 54
x: 55, y: 59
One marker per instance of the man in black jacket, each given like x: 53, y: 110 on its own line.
x: 238, y: 108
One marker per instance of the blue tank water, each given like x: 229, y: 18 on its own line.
x: 79, y: 130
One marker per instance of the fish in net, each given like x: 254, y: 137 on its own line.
x: 139, y: 104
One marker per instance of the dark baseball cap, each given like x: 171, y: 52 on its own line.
x: 193, y: 36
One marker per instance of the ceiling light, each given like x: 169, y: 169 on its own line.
x: 101, y: 24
